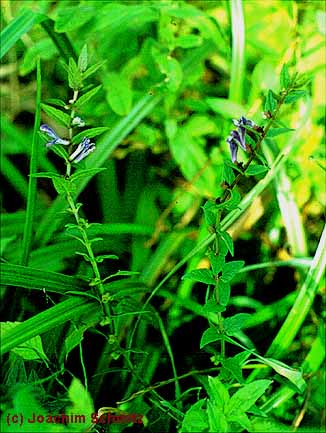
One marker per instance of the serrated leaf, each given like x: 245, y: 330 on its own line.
x: 254, y: 170
x: 84, y: 173
x: 273, y: 132
x: 200, y: 275
x: 234, y: 324
x: 230, y: 269
x: 294, y: 96
x: 270, y: 103
x: 83, y: 59
x: 87, y: 96
x: 224, y: 292
x: 246, y: 397
x: 285, y: 77
x: 89, y: 133
x: 56, y: 114
x: 210, y: 336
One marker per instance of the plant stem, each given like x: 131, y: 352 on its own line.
x: 82, y: 225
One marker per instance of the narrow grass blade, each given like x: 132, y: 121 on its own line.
x: 238, y: 51
x: 34, y: 279
x: 302, y: 304
x: 17, y: 28
x: 55, y: 316
x: 31, y: 198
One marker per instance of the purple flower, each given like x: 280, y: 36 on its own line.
x: 83, y: 149
x: 238, y: 137
x: 51, y: 133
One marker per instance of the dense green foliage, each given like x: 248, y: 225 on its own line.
x: 162, y: 237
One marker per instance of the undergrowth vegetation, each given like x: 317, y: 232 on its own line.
x: 162, y: 229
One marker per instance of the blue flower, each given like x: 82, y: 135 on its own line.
x: 51, y: 133
x: 238, y: 137
x: 84, y: 148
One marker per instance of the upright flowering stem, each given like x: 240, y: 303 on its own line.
x: 97, y: 276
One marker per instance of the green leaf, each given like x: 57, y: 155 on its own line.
x: 294, y: 96
x: 270, y: 103
x: 246, y: 397
x: 216, y: 418
x: 217, y: 392
x: 92, y: 69
x: 56, y: 114
x: 230, y: 269
x: 234, y: 324
x: 83, y: 59
x: 228, y: 175
x: 285, y: 77
x: 55, y: 101
x: 89, y: 133
x: 29, y: 350
x: 101, y: 258
x: 201, y: 276
x: 225, y: 107
x: 210, y: 336
x: 46, y: 174
x: 87, y: 96
x: 273, y: 132
x: 228, y: 241
x: 81, y: 401
x: 61, y: 185
x: 188, y: 41
x: 224, y: 292
x: 195, y: 419
x: 83, y: 173
x: 170, y: 67
x: 294, y: 376
x: 210, y: 213
x: 212, y: 307
x: 119, y: 94
x: 74, y: 75
x: 218, y: 261
x: 257, y: 169
x: 71, y: 18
